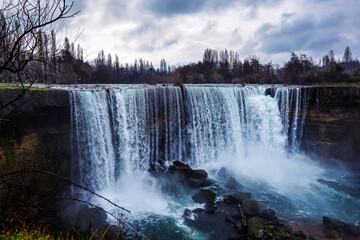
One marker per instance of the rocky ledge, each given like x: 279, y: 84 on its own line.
x: 234, y: 216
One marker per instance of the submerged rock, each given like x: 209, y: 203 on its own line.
x: 204, y: 196
x: 232, y: 183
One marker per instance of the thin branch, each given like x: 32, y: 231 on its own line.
x: 95, y: 206
x: 63, y: 179
x: 22, y: 94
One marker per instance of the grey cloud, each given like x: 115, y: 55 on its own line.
x: 169, y: 43
x: 299, y: 34
x: 170, y: 7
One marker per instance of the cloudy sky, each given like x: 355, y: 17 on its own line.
x: 180, y: 30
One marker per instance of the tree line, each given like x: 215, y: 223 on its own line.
x: 226, y: 67
x: 65, y: 64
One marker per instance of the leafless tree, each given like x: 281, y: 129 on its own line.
x: 20, y: 24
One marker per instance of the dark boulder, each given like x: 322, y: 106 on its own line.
x: 90, y: 218
x: 220, y: 224
x: 350, y: 230
x: 181, y: 164
x: 232, y: 183
x: 331, y: 223
x: 199, y: 174
x: 238, y: 197
x: 183, y: 170
x: 204, y: 196
x: 185, y: 175
x: 250, y: 207
x: 188, y: 214
x: 196, y: 183
x: 269, y: 216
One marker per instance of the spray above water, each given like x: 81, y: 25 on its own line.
x: 119, y: 134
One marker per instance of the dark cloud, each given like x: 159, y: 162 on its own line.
x: 299, y: 34
x: 168, y: 8
x: 171, y: 7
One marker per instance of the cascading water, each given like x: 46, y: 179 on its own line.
x: 292, y: 104
x: 125, y: 131
x: 119, y: 134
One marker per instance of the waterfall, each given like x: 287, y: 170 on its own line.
x: 293, y: 105
x: 125, y: 131
x: 130, y: 130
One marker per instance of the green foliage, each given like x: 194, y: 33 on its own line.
x: 334, y: 74
x: 26, y: 235
x: 355, y: 78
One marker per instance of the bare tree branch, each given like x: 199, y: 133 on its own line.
x: 63, y: 179
x: 111, y: 214
x: 20, y: 24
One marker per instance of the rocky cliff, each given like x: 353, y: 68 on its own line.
x: 332, y: 126
x: 35, y: 130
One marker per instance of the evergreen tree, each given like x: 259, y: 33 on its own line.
x: 347, y: 55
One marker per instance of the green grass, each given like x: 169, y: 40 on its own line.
x: 33, y: 88
x: 26, y: 235
x: 345, y: 84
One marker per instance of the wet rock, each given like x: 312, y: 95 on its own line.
x: 238, y: 197
x: 270, y: 218
x: 229, y: 220
x: 90, y: 218
x: 187, y: 213
x: 181, y: 164
x: 299, y: 235
x: 331, y: 223
x: 269, y: 214
x: 187, y: 176
x: 239, y: 226
x: 284, y: 225
x: 255, y: 227
x: 331, y: 233
x: 204, y: 196
x: 223, y: 173
x: 232, y: 183
x: 218, y: 225
x: 196, y: 183
x: 250, y: 207
x: 210, y: 208
x: 198, y: 210
x: 199, y: 174
x: 183, y: 170
x: 350, y: 230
